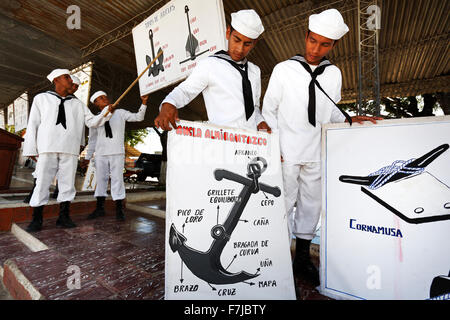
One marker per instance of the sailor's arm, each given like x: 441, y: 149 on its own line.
x: 336, y: 114
x: 272, y: 100
x: 30, y: 143
x: 92, y: 142
x: 184, y: 93
x: 138, y: 116
x: 261, y: 124
x: 92, y: 121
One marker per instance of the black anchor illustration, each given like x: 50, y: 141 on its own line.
x: 157, y: 66
x: 207, y: 265
x: 192, y: 46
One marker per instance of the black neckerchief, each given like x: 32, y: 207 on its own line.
x: 108, y: 130
x: 246, y: 84
x: 312, y: 91
x: 61, y: 112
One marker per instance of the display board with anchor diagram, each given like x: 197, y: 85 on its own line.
x: 90, y: 178
x: 386, y: 210
x: 226, y: 227
x: 186, y: 31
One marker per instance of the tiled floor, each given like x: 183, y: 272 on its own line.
x: 116, y: 260
x: 11, y: 247
x: 154, y: 204
x: 4, y: 294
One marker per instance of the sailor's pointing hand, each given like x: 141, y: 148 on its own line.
x: 361, y: 119
x: 167, y: 116
x: 144, y: 99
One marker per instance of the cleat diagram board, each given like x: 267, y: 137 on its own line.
x: 386, y: 210
x: 226, y: 226
x: 186, y: 31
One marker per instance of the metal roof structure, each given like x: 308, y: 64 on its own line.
x: 34, y: 39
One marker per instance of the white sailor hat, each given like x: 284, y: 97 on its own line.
x: 75, y: 80
x: 56, y: 73
x: 328, y: 23
x: 247, y: 23
x: 96, y: 95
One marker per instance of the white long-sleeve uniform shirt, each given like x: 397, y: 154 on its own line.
x: 102, y: 145
x: 221, y: 85
x: 44, y: 136
x: 285, y: 108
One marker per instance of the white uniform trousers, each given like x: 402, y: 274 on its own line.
x: 302, y: 184
x: 63, y: 166
x: 110, y: 166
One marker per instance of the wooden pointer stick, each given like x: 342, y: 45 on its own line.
x: 134, y: 82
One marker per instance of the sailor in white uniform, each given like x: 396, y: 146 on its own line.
x: 107, y: 141
x: 230, y: 84
x: 55, y: 132
x: 75, y: 85
x: 300, y: 98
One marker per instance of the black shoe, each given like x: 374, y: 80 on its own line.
x: 99, y: 210
x: 303, y: 266
x: 56, y: 192
x: 119, y: 211
x: 36, y: 223
x: 28, y: 197
x: 64, y: 219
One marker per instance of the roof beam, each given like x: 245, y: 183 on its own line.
x: 120, y: 32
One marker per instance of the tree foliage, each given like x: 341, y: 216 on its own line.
x: 134, y: 137
x: 406, y: 107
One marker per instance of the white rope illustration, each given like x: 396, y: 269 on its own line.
x: 398, y: 166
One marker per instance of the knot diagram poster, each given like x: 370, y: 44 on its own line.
x: 386, y: 210
x: 183, y: 32
x: 226, y: 227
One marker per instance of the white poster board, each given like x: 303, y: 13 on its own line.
x: 226, y: 224
x: 21, y: 112
x: 386, y: 210
x: 84, y: 73
x: 10, y: 115
x: 90, y: 180
x: 186, y: 31
x: 2, y: 119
